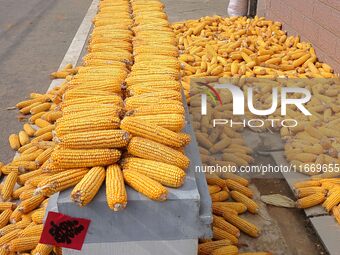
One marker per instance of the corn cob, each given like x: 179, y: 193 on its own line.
x: 215, y: 180
x: 305, y: 184
x: 145, y: 185
x: 30, y: 204
x: 60, y: 181
x: 7, y: 206
x: 220, y: 234
x: 44, y: 156
x: 24, y: 177
x: 23, y: 138
x: 4, y: 217
x: 29, y: 129
x: 96, y: 139
x: 303, y: 192
x: 249, y: 203
x: 332, y: 200
x: 5, y: 239
x: 87, y: 188
x: 26, y: 110
x: 42, y: 249
x: 79, y: 93
x: 7, y: 189
x: 104, y: 112
x: 209, y: 247
x: 36, y: 180
x: 219, y: 222
x: 86, y: 124
x: 45, y: 137
x: 38, y: 215
x: 24, y: 243
x: 115, y: 189
x: 83, y: 108
x: 153, y: 132
x: 112, y: 99
x: 219, y: 196
x: 44, y: 130
x: 166, y: 174
x: 14, y: 142
x: 219, y: 209
x: 32, y: 230
x: 311, y: 200
x: 164, y: 94
x: 28, y: 157
x: 40, y: 108
x: 160, y: 110
x: 24, y: 165
x: 41, y: 123
x: 148, y: 149
x: 133, y: 104
x: 336, y: 213
x: 242, y: 224
x: 213, y: 189
x: 32, y: 149
x: 226, y: 250
x: 69, y: 158
x: 173, y: 122
x: 233, y: 185
x: 26, y: 103
x: 238, y: 207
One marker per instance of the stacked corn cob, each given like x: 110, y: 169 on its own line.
x: 155, y: 114
x: 227, y: 224
x: 320, y: 191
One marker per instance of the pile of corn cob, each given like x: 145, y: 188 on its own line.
x: 320, y: 191
x: 227, y: 223
x: 249, y: 49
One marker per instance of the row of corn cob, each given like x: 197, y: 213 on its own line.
x: 227, y: 222
x: 154, y: 111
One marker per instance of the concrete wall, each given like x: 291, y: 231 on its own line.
x: 316, y: 21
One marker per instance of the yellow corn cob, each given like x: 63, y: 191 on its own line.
x: 332, y: 200
x: 32, y: 230
x: 44, y: 156
x: 226, y: 250
x: 233, y: 185
x: 38, y: 215
x: 153, y: 132
x: 29, y: 157
x: 249, y: 203
x: 164, y: 94
x: 60, y: 181
x: 36, y: 180
x: 112, y: 99
x: 79, y: 93
x: 305, y: 184
x: 50, y: 167
x: 87, y: 188
x: 242, y: 224
x: 14, y: 142
x: 311, y: 200
x: 104, y: 112
x: 40, y: 108
x: 103, y: 62
x: 8, y: 169
x: 236, y: 178
x: 102, y: 86
x: 220, y: 234
x: 336, y: 213
x: 41, y: 123
x: 166, y: 174
x: 17, y: 192
x: 215, y: 180
x: 219, y: 222
x: 26, y: 103
x: 7, y: 229
x: 238, y: 207
x: 7, y: 206
x: 45, y: 137
x: 28, y: 193
x: 96, y: 139
x: 100, y: 47
x: 4, y: 240
x: 87, y: 124
x: 133, y: 104
x: 133, y: 80
x: 4, y: 217
x: 23, y: 138
x: 159, y: 110
x: 303, y: 192
x: 29, y: 129
x: 44, y: 130
x: 83, y: 108
x: 112, y: 56
x: 27, y: 109
x: 24, y: 243
x: 149, y: 87
x: 69, y: 158
x: 148, y: 149
x: 209, y: 247
x: 7, y: 189
x: 35, y: 117
x: 145, y: 185
x: 219, y: 196
x: 30, y: 204
x: 42, y: 249
x: 30, y: 150
x: 116, y: 195
x: 24, y: 165
x: 52, y: 116
x: 24, y: 177
x: 213, y: 189
x: 173, y: 122
x: 160, y: 71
